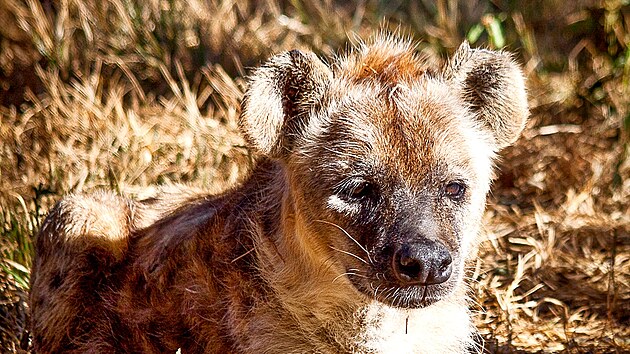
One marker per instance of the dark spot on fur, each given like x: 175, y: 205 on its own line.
x: 56, y: 281
x: 482, y: 84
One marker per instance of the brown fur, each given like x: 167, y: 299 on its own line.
x: 356, y: 163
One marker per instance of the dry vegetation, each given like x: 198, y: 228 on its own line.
x: 124, y: 94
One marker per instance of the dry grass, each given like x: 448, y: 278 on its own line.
x: 124, y: 94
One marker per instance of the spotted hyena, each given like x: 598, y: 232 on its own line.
x: 350, y: 234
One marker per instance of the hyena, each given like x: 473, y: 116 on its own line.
x: 350, y: 234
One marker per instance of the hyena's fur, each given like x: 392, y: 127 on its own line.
x: 293, y: 260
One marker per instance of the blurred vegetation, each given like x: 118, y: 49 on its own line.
x: 124, y: 94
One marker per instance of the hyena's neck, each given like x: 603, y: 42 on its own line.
x: 292, y: 261
x: 307, y: 296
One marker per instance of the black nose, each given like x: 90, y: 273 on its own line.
x: 422, y: 263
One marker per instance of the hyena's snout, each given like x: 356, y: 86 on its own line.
x: 421, y: 262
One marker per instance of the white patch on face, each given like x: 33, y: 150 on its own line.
x: 337, y: 204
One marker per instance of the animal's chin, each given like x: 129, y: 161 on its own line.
x: 408, y: 297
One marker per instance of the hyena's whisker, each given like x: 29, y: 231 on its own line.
x: 376, y: 292
x: 350, y: 273
x: 350, y: 237
x: 350, y: 254
x: 341, y: 275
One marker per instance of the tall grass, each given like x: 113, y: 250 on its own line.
x: 125, y: 94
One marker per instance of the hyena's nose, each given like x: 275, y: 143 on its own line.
x: 422, y: 263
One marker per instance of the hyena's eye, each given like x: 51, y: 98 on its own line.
x: 362, y: 190
x: 356, y: 189
x: 455, y: 190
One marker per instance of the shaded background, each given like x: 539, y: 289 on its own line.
x: 124, y: 94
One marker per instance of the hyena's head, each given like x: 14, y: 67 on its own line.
x: 388, y: 160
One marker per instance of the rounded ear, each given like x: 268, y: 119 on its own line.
x: 279, y: 99
x: 494, y: 87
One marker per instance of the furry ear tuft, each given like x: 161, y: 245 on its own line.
x: 279, y: 99
x: 494, y: 87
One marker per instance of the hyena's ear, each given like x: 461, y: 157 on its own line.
x: 494, y: 87
x: 279, y: 99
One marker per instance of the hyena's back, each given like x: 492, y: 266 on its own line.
x: 80, y: 239
x: 83, y: 241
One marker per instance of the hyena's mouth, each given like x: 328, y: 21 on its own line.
x: 411, y: 274
x: 406, y: 275
x: 415, y: 296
